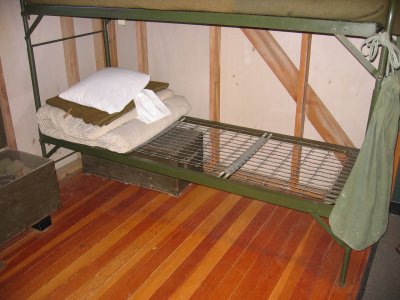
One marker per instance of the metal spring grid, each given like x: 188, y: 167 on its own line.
x: 281, y: 163
x: 313, y: 173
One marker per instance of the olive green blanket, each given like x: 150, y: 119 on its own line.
x: 360, y: 214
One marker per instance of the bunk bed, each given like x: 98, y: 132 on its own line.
x: 253, y: 163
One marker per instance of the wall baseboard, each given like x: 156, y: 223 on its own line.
x: 69, y: 169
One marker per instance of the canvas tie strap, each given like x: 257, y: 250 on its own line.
x: 382, y: 39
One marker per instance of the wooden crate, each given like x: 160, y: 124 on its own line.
x: 30, y: 198
x: 132, y: 175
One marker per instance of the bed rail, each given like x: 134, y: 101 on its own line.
x: 359, y: 29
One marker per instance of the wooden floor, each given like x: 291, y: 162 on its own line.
x: 116, y: 241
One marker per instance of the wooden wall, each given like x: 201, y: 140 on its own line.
x: 7, y: 137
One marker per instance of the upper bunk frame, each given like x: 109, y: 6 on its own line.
x: 340, y: 29
x: 363, y: 29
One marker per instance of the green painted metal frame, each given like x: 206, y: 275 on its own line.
x: 66, y: 38
x: 210, y: 18
x: 359, y: 56
x: 32, y: 65
x: 227, y: 185
x: 340, y: 28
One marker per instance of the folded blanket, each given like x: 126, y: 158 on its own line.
x: 156, y: 86
x: 91, y: 115
x: 123, y: 138
x: 77, y: 127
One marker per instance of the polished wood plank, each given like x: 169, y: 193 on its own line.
x: 213, y: 257
x: 86, y: 265
x: 233, y: 278
x: 131, y: 236
x: 305, y: 285
x: 239, y: 246
x: 68, y: 226
x: 58, y: 238
x: 73, y: 189
x: 170, y: 252
x: 186, y: 265
x: 269, y: 265
x: 146, y: 244
x: 294, y: 268
x: 80, y: 245
x: 330, y: 273
x: 152, y: 252
x: 118, y: 241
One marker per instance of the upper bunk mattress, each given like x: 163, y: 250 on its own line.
x: 356, y: 10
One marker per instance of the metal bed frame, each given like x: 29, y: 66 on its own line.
x: 296, y: 173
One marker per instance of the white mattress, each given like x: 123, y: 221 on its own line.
x: 123, y: 138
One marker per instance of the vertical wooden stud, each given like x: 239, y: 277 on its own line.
x: 215, y: 72
x: 302, y: 84
x: 6, y: 113
x: 215, y: 86
x: 141, y: 42
x: 70, y: 54
x: 98, y: 45
x: 112, y: 37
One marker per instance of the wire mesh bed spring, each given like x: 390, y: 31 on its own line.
x: 304, y: 168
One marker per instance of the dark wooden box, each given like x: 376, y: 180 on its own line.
x: 132, y: 175
x: 30, y: 196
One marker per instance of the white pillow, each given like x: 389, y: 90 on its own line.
x: 110, y: 89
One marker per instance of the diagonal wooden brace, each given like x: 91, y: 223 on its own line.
x: 288, y: 74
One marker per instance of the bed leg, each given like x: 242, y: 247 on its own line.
x: 345, y: 265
